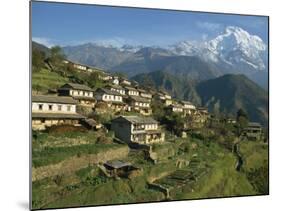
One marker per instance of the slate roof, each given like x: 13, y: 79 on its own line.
x: 57, y: 115
x: 107, y: 91
x: 186, y: 102
x: 130, y: 88
x: 137, y: 119
x: 53, y: 99
x: 139, y: 99
x: 116, y: 164
x: 254, y: 124
x: 115, y: 86
x: 77, y: 86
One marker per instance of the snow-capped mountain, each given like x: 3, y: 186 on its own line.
x: 233, y: 51
x: 235, y: 47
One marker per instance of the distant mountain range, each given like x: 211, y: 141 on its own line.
x: 233, y: 51
x: 187, y: 77
x: 224, y: 94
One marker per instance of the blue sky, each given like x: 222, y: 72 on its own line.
x: 71, y: 24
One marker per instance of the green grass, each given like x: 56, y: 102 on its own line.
x: 223, y: 180
x: 51, y: 148
x: 254, y: 154
x: 53, y: 155
x: 45, y: 79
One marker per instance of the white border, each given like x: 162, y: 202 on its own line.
x: 15, y: 102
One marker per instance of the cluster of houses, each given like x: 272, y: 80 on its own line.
x: 119, y: 94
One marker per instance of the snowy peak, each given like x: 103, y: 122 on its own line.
x: 236, y: 38
x: 235, y: 47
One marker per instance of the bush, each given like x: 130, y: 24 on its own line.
x: 58, y: 179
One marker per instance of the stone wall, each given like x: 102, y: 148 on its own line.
x: 72, y: 164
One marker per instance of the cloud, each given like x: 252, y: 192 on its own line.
x: 44, y: 41
x: 209, y: 26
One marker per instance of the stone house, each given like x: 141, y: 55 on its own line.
x: 188, y: 107
x: 116, y: 88
x: 113, y: 99
x: 139, y: 104
x: 115, y: 80
x: 135, y: 129
x: 175, y: 108
x: 80, y: 92
x: 131, y: 91
x: 78, y: 66
x: 125, y: 82
x: 105, y: 77
x: 144, y: 93
x: 50, y: 110
x: 164, y: 97
x: 253, y: 131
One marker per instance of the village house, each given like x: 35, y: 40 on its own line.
x: 135, y: 129
x: 188, y: 107
x: 116, y: 88
x: 119, y: 168
x: 125, y: 82
x: 201, y: 116
x: 105, y: 76
x: 115, y: 80
x: 131, y: 91
x: 50, y: 110
x: 144, y: 93
x: 82, y: 93
x: 164, y: 97
x: 253, y: 131
x: 139, y: 104
x: 78, y: 66
x: 174, y: 108
x: 113, y: 99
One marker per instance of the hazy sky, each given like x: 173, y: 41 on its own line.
x: 71, y: 24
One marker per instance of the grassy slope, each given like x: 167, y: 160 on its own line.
x: 45, y: 79
x: 49, y: 148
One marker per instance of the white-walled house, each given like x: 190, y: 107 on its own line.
x: 80, y: 92
x: 53, y: 110
x: 188, y: 107
x: 116, y: 88
x: 144, y: 93
x: 175, y: 108
x: 113, y: 99
x: 131, y: 91
x: 115, y: 80
x: 140, y: 104
x: 136, y: 129
x: 125, y: 82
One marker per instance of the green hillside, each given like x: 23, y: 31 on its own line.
x: 231, y: 92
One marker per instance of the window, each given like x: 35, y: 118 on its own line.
x: 59, y: 107
x: 40, y: 107
x: 68, y: 108
x: 50, y: 107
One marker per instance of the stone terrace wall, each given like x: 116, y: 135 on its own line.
x: 72, y: 164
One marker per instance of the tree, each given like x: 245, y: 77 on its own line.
x: 242, y: 121
x: 38, y: 58
x: 175, y: 122
x: 94, y: 80
x: 56, y: 57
